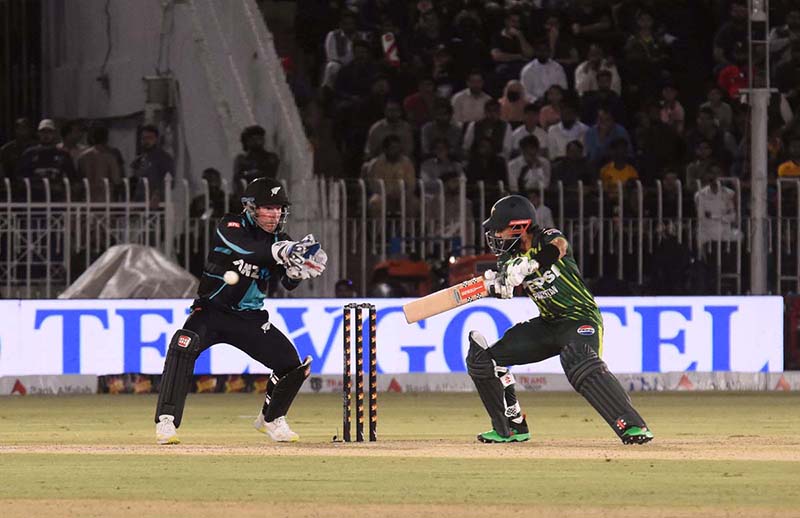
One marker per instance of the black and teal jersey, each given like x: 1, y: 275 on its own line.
x: 241, y: 246
x: 560, y: 292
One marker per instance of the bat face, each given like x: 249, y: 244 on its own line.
x: 446, y: 299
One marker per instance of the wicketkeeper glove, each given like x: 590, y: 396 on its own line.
x: 497, y: 286
x: 304, y: 259
x: 517, y: 269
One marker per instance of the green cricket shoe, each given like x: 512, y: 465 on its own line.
x: 520, y: 430
x: 518, y: 434
x: 636, y: 435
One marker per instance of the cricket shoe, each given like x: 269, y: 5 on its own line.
x: 636, y: 435
x: 165, y: 430
x: 520, y: 430
x: 493, y: 437
x: 278, y: 430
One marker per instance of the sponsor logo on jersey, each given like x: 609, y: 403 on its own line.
x: 234, y: 224
x: 247, y: 269
x: 546, y: 277
x: 586, y: 330
x: 183, y: 341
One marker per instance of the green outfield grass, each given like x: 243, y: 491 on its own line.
x: 714, y: 455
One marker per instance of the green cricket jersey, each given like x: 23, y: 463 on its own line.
x: 560, y: 292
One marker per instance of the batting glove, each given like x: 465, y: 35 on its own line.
x: 497, y: 286
x: 518, y: 269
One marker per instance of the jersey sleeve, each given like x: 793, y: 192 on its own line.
x: 243, y: 244
x: 548, y: 235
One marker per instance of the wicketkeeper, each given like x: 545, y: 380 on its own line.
x: 229, y: 309
x: 570, y: 326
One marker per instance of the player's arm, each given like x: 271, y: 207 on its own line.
x: 242, y: 244
x: 519, y: 268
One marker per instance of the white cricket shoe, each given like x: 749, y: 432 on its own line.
x: 278, y: 430
x: 165, y: 430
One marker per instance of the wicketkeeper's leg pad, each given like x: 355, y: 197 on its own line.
x: 177, y: 377
x: 591, y: 378
x: 483, y: 371
x: 285, y: 390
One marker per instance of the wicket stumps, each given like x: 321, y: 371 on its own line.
x: 347, y: 384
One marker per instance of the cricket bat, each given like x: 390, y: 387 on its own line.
x: 446, y: 299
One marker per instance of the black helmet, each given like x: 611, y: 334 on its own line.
x: 513, y: 212
x: 263, y: 192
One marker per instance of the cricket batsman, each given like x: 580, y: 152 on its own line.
x: 249, y: 251
x: 569, y: 326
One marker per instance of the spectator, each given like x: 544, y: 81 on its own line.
x: 671, y: 109
x: 419, y: 105
x: 658, y: 146
x: 618, y: 170
x: 586, y: 72
x: 791, y: 168
x: 530, y: 126
x: 391, y: 124
x: 600, y: 136
x: 12, y: 151
x: 444, y: 74
x: 551, y: 111
x: 469, y: 50
x: 513, y: 102
x: 299, y: 84
x: 544, y: 216
x: 731, y: 32
x: 541, y: 73
x: 569, y: 129
x: 787, y: 78
x: 644, y: 64
x: 391, y: 166
x: 510, y: 49
x: 573, y: 166
x: 528, y: 171
x: 716, y: 213
x: 468, y: 104
x: 486, y: 165
x: 780, y: 38
x: 344, y: 289
x: 46, y: 161
x: 354, y: 79
x: 722, y: 143
x: 216, y: 198
x: 701, y: 166
x: 428, y: 35
x: 441, y: 127
x: 339, y: 48
x: 563, y: 48
x: 99, y: 163
x: 602, y: 96
x: 734, y: 76
x: 255, y: 161
x: 152, y: 164
x: 722, y: 110
x: 71, y: 136
x: 491, y: 127
x: 646, y: 44
x: 441, y: 163
x: 592, y: 22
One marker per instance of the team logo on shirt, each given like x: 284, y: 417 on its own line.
x: 586, y: 330
x: 234, y: 224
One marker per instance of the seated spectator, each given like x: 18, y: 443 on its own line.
x: 592, y: 22
x: 442, y: 162
x: 716, y: 213
x: 486, y: 165
x: 99, y: 163
x: 46, y: 161
x: 569, y: 129
x: 428, y: 34
x: 541, y: 73
x: 646, y: 43
x: 734, y: 76
x: 781, y: 37
x: 154, y: 164
x: 445, y: 78
x: 469, y: 50
x: 529, y: 170
x: 391, y: 124
x: 722, y: 143
x: 544, y: 216
x: 510, y: 49
x: 354, y: 79
x: 551, y: 110
x: 492, y: 128
x: 12, y: 151
x: 586, y: 72
x: 619, y: 169
x: 468, y: 104
x: 791, y: 168
x: 658, y: 145
x: 530, y: 126
x: 513, y: 103
x: 71, y: 136
x: 730, y: 33
x: 645, y: 62
x: 441, y: 127
x: 254, y: 161
x: 391, y: 166
x: 600, y: 136
x: 573, y: 166
x: 216, y: 198
x: 722, y: 110
x: 700, y: 167
x: 563, y: 47
x: 671, y: 109
x: 339, y: 48
x: 602, y: 96
x: 419, y: 105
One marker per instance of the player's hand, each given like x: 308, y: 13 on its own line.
x: 518, y: 269
x: 497, y: 285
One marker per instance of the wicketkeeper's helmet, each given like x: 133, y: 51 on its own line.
x: 264, y: 192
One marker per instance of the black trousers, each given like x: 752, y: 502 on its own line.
x: 248, y: 331
x: 536, y: 340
